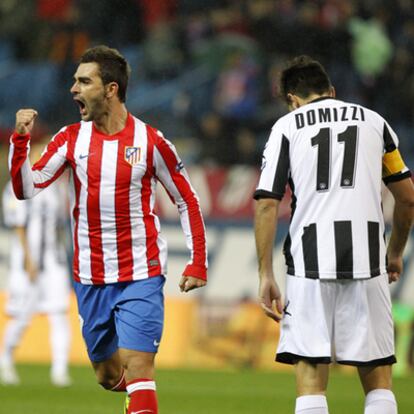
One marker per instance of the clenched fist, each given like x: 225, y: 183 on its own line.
x: 25, y: 120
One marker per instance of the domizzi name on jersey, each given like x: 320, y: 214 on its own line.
x: 320, y: 115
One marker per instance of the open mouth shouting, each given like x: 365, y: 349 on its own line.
x: 82, y: 106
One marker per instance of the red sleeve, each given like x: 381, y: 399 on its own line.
x: 171, y: 172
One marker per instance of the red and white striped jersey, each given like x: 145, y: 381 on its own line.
x: 116, y: 233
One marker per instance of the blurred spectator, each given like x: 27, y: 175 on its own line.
x: 371, y: 48
x: 62, y: 34
x: 236, y: 89
x: 163, y: 58
x: 247, y: 148
x: 216, y: 141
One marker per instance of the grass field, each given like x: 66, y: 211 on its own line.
x: 187, y: 392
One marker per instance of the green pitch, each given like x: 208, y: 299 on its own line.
x: 187, y: 392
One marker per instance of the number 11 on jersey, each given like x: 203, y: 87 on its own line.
x: 349, y: 138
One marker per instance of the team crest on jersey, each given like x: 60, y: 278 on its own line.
x: 132, y: 155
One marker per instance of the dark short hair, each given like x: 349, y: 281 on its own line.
x: 303, y: 76
x: 113, y: 67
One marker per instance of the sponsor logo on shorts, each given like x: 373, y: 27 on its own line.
x: 156, y: 343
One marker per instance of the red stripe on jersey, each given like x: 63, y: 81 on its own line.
x: 198, y: 267
x: 58, y: 141
x: 75, y: 214
x: 70, y: 156
x: 94, y: 216
x: 52, y: 148
x: 58, y: 173
x: 18, y: 159
x: 122, y: 205
x: 153, y: 252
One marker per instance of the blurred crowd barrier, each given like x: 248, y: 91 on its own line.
x: 221, y: 325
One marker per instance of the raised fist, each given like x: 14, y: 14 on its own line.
x: 25, y: 120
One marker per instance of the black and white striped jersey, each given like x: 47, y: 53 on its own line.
x: 334, y: 156
x: 40, y: 217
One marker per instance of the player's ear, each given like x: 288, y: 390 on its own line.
x: 111, y: 89
x: 293, y: 101
x: 332, y: 92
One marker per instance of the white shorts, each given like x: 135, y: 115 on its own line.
x: 49, y: 293
x: 347, y: 321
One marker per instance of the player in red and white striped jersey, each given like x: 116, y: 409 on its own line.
x: 120, y: 258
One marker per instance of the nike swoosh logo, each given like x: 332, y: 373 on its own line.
x: 82, y: 156
x: 156, y: 343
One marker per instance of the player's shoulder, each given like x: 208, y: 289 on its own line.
x: 153, y: 134
x: 368, y: 111
x: 71, y: 130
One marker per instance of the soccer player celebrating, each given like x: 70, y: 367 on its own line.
x: 120, y: 257
x: 333, y: 155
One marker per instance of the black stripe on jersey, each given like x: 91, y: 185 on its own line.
x: 374, y: 248
x: 344, y: 250
x: 310, y: 251
x: 288, y: 255
x: 396, y: 177
x: 282, y: 169
x: 389, y: 143
x: 288, y: 241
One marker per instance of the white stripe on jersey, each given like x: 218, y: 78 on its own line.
x: 81, y: 154
x: 139, y: 250
x: 107, y: 209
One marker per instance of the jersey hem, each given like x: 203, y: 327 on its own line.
x: 337, y: 276
x: 112, y: 280
x: 374, y: 363
x: 291, y: 359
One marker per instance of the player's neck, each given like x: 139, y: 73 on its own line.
x: 113, y: 121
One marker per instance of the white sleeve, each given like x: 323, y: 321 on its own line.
x: 275, y: 166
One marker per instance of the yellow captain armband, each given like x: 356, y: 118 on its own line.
x: 392, y: 163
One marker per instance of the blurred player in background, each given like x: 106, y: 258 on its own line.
x: 337, y: 307
x: 38, y: 279
x: 120, y: 258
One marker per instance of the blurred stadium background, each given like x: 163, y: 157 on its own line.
x: 204, y: 72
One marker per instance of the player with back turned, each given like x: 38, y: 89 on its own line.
x: 334, y: 156
x: 115, y: 161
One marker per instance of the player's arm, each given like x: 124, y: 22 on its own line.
x: 403, y: 216
x: 28, y: 181
x: 29, y: 264
x: 265, y: 227
x: 397, y: 177
x: 172, y: 174
x: 270, y: 190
